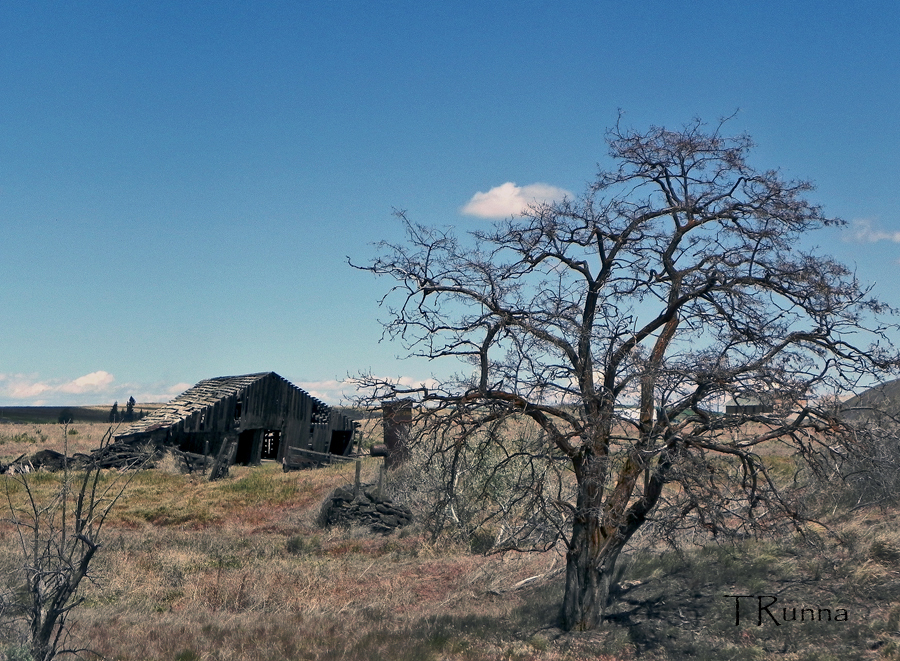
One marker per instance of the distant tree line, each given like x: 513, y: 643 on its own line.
x: 115, y: 415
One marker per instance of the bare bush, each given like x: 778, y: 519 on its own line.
x: 868, y: 472
x: 57, y: 534
x: 496, y: 489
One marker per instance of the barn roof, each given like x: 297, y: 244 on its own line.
x: 204, y: 394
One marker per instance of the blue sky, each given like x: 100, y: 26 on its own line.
x: 181, y: 182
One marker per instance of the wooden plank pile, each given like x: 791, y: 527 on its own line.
x: 189, y: 462
x: 119, y: 456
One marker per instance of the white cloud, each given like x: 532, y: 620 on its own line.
x: 93, y: 382
x: 30, y: 390
x: 157, y: 392
x: 92, y: 389
x: 863, y: 232
x: 342, y: 392
x: 510, y: 200
x: 330, y: 391
x: 21, y: 386
x: 412, y: 382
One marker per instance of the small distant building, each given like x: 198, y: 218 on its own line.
x: 250, y: 418
x: 748, y: 405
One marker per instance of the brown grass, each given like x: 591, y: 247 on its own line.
x: 223, y: 584
x: 238, y: 569
x: 18, y: 439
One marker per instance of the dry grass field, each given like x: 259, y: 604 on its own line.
x: 239, y: 570
x: 27, y: 438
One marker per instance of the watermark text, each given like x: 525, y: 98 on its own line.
x: 764, y: 608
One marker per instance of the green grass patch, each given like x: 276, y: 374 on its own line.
x: 164, y: 499
x: 23, y: 437
x: 260, y: 486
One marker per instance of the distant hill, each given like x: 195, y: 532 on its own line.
x: 875, y: 404
x: 42, y: 415
x: 356, y: 413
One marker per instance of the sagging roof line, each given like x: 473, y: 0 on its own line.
x: 203, y: 395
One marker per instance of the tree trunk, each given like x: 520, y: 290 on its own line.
x: 596, y: 540
x: 590, y: 567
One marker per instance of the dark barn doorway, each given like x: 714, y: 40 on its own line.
x: 340, y: 442
x: 270, y: 442
x: 245, y: 449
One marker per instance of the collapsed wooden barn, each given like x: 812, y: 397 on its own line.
x: 245, y: 420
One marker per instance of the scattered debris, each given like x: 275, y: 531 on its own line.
x: 189, y: 462
x: 120, y: 456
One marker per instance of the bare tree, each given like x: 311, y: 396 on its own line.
x: 57, y: 538
x: 621, y: 323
